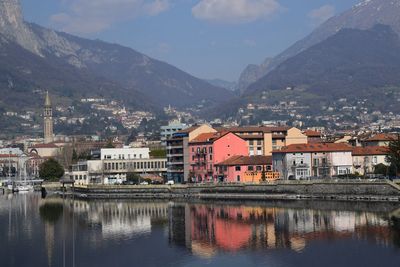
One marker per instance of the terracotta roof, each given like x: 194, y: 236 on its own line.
x: 247, y: 160
x: 317, y: 147
x: 382, y: 137
x: 311, y: 133
x: 370, y: 150
x: 208, y: 137
x: 50, y: 145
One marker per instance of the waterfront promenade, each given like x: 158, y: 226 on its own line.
x: 342, y: 190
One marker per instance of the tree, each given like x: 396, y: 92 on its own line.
x: 51, y: 170
x: 158, y: 153
x: 263, y: 174
x: 393, y: 156
x: 110, y: 144
x: 381, y: 169
x: 133, y: 177
x: 74, y: 156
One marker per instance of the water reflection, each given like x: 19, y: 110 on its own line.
x: 208, y: 229
x: 66, y: 232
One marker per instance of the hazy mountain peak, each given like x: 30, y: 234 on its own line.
x: 363, y: 15
x: 12, y: 26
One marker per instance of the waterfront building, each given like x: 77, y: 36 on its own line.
x: 246, y: 169
x: 114, y: 171
x: 304, y: 161
x: 178, y: 152
x: 168, y: 130
x: 366, y: 158
x: 209, y: 149
x: 262, y: 140
x: 48, y: 120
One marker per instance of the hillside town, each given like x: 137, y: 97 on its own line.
x: 201, y: 153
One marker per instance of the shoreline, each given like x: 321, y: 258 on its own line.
x: 354, y: 191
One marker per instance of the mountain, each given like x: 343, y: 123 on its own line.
x: 362, y: 16
x: 345, y: 64
x: 34, y: 57
x: 231, y: 86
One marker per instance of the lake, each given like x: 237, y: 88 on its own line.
x: 66, y: 232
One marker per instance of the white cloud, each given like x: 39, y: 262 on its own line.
x: 322, y: 13
x: 91, y: 16
x: 235, y: 11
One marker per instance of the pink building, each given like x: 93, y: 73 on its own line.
x: 209, y: 149
x: 246, y: 169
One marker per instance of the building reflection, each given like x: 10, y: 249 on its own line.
x: 207, y: 229
x: 204, y: 229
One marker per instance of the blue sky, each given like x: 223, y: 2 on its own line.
x: 207, y: 38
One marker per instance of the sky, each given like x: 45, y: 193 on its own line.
x: 206, y: 38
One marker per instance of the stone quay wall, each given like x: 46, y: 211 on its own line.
x: 329, y: 190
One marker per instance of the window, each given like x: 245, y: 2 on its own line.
x: 192, y: 149
x: 251, y: 142
x: 211, y: 157
x: 238, y: 178
x: 210, y: 150
x: 302, y: 173
x: 259, y: 142
x: 294, y: 163
x: 259, y: 168
x: 237, y: 168
x: 250, y: 168
x: 192, y: 158
x: 198, y: 150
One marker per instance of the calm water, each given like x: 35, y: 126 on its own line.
x: 57, y: 232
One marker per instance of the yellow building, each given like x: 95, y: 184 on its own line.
x: 263, y: 140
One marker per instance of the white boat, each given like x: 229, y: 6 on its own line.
x: 25, y: 188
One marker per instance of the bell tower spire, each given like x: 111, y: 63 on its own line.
x: 48, y: 120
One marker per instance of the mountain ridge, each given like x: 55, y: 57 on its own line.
x: 363, y: 15
x: 129, y: 71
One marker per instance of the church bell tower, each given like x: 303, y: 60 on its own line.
x: 48, y: 120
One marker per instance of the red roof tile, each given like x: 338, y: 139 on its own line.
x: 317, y: 147
x: 247, y: 160
x: 50, y: 145
x: 370, y: 150
x: 382, y: 137
x: 208, y: 137
x: 311, y: 133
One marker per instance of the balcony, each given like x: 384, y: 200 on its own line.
x: 174, y: 155
x: 177, y: 146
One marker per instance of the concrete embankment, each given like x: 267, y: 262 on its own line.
x: 288, y: 190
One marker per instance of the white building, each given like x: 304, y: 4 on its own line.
x: 125, y: 153
x: 303, y: 161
